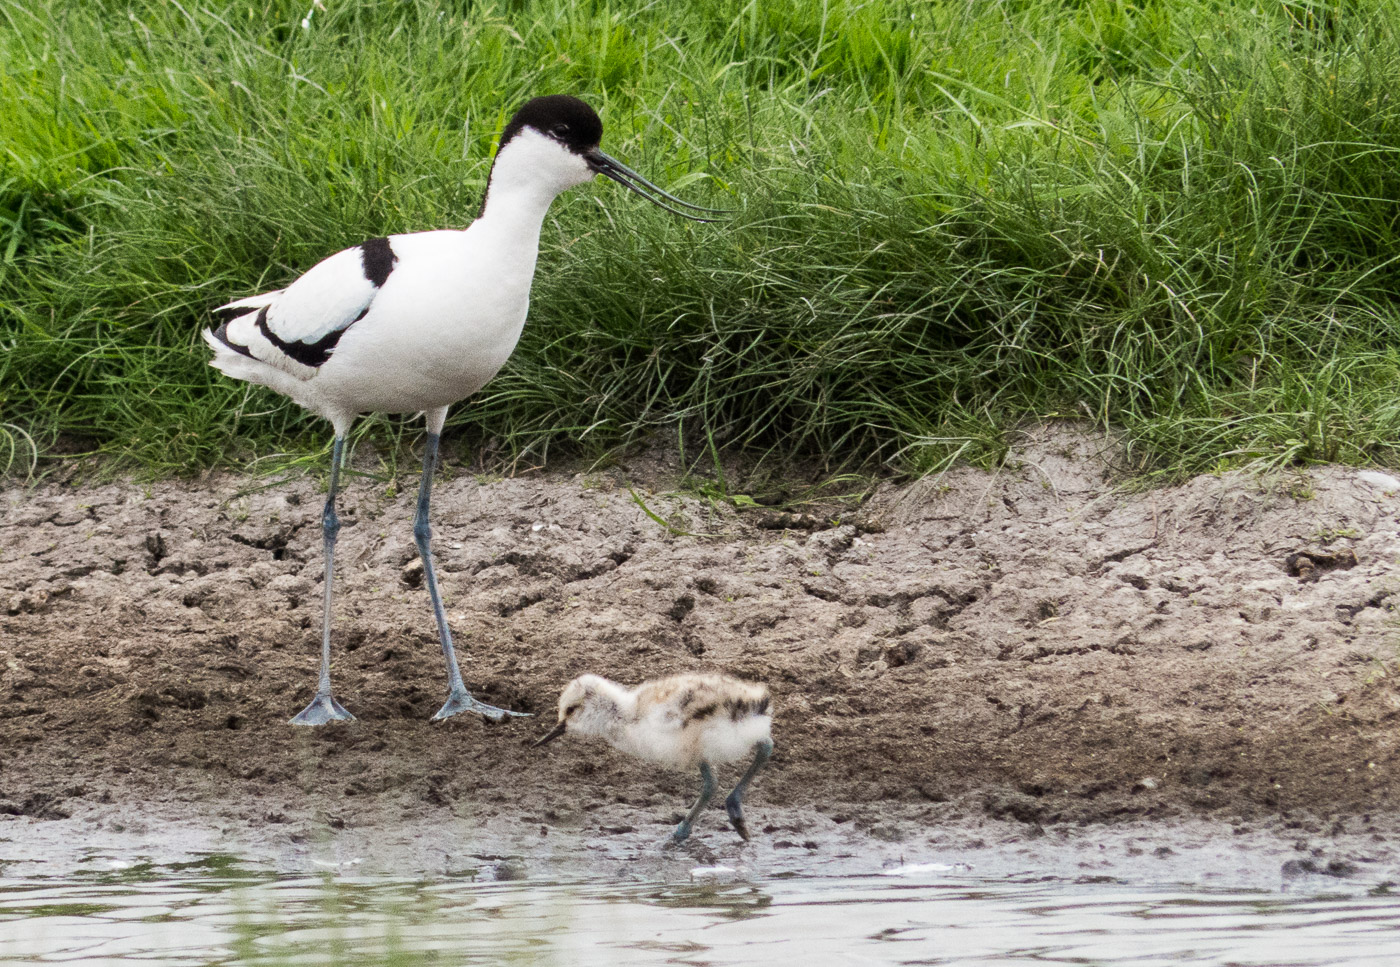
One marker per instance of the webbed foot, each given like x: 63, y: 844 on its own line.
x: 323, y: 708
x: 459, y: 700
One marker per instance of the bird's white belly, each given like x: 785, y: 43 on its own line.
x: 731, y: 741
x: 716, y: 741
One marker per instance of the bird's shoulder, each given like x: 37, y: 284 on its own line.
x: 334, y: 292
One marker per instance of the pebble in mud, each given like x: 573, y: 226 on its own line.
x: 1383, y: 482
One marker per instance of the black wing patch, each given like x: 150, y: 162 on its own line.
x: 308, y: 354
x: 378, y: 258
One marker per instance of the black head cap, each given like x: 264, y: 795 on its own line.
x: 564, y: 118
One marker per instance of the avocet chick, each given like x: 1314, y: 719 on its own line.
x: 681, y: 722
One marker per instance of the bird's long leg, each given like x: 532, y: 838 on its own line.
x: 734, y: 805
x: 707, y: 792
x: 458, y: 698
x: 324, y: 708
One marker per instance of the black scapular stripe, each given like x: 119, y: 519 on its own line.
x: 378, y: 258
x: 740, y: 708
x: 308, y: 354
x: 703, y: 712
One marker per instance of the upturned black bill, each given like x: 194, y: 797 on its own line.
x: 612, y: 168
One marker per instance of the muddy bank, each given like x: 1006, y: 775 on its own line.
x: 1029, y: 647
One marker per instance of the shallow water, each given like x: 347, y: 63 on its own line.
x: 214, y: 911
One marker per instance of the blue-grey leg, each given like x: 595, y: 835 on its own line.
x: 324, y: 708
x: 733, y: 805
x: 458, y: 698
x: 707, y: 792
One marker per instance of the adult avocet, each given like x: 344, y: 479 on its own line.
x: 414, y: 323
x: 679, y: 722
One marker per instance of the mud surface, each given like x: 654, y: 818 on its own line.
x: 968, y: 660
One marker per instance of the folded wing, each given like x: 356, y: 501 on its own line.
x: 296, y: 329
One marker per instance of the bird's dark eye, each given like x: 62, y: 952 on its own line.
x: 570, y: 710
x: 560, y: 130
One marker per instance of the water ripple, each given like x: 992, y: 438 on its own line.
x: 203, y: 915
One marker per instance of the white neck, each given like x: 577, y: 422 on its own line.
x: 511, y: 223
x: 529, y: 173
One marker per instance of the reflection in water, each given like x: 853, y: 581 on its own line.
x: 215, y: 911
x: 735, y: 902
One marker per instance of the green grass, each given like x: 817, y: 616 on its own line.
x: 1176, y: 218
